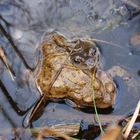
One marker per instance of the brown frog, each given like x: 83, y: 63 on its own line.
x: 71, y: 69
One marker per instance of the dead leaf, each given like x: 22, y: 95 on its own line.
x: 112, y: 133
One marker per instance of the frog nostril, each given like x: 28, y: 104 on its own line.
x: 109, y: 87
x: 77, y: 59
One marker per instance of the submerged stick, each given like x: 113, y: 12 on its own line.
x: 9, y: 38
x: 4, y: 60
x: 6, y: 22
x: 10, y: 99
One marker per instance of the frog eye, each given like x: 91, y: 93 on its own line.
x: 76, y: 59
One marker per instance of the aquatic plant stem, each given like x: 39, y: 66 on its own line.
x: 94, y: 103
x: 106, y: 42
x: 97, y: 116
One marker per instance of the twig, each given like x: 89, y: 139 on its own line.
x: 49, y: 132
x: 105, y: 42
x: 131, y: 3
x: 9, y: 38
x: 7, y: 23
x: 132, y: 121
x: 135, y: 135
x: 4, y: 60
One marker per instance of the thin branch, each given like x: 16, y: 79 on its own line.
x: 131, y: 3
x: 6, y: 22
x: 132, y: 121
x: 105, y: 42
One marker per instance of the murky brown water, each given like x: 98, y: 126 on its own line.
x: 28, y: 21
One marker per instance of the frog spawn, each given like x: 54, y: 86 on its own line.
x: 81, y: 79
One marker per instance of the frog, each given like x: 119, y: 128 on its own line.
x: 71, y: 70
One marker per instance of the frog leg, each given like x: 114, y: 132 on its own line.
x: 125, y: 75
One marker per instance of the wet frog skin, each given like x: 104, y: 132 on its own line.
x: 80, y: 77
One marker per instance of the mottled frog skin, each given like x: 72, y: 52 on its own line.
x: 70, y: 69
